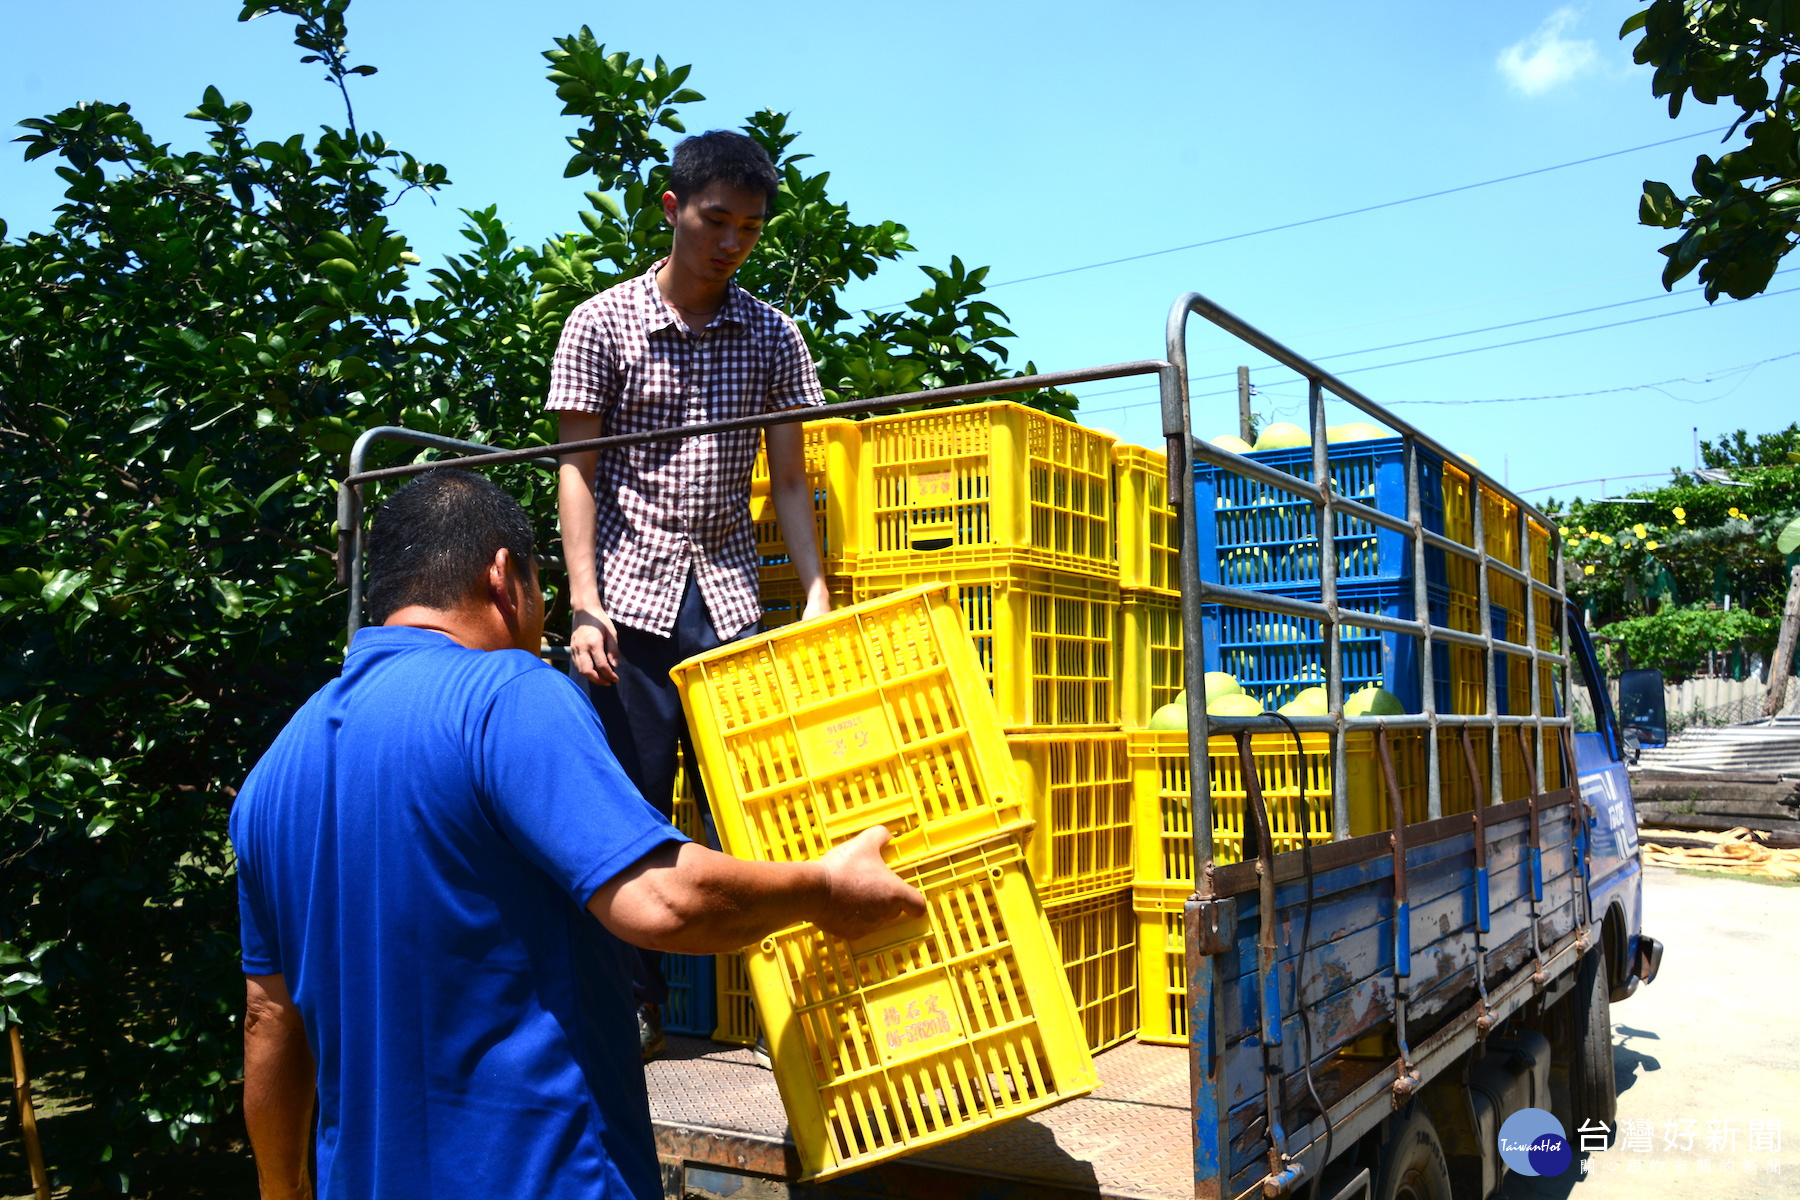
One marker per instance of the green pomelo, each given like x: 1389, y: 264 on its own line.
x: 1169, y: 716
x: 1218, y: 683
x: 1282, y: 436
x: 1235, y: 705
x: 1232, y: 442
x: 1354, y: 431
x: 1374, y: 702
x: 1312, y: 700
x: 1470, y: 459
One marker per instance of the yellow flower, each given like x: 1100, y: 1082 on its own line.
x: 1680, y: 514
x: 1734, y: 512
x: 1564, y: 531
x: 1651, y: 545
x: 1605, y: 541
x: 1588, y: 570
x: 1639, y: 530
x: 1583, y: 528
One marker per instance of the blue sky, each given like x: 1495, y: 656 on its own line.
x: 1035, y: 138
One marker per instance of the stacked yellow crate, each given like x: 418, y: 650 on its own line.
x: 1015, y: 509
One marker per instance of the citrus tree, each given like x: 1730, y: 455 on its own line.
x: 1743, y: 215
x: 1697, y: 566
x: 186, y: 355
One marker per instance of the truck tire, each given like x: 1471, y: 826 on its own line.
x: 1412, y: 1163
x: 1593, y: 1087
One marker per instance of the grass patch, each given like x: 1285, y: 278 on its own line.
x: 1766, y: 880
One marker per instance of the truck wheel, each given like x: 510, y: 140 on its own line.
x: 1412, y: 1163
x: 1593, y: 1087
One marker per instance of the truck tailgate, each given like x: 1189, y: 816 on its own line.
x: 718, y: 1118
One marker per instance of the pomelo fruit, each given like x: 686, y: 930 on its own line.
x: 1235, y: 705
x: 1282, y: 436
x: 1232, y: 442
x: 1470, y: 459
x: 1169, y: 716
x: 1309, y: 703
x: 1218, y: 683
x: 1374, y: 701
x: 1354, y: 431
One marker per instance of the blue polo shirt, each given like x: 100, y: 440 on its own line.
x: 414, y: 854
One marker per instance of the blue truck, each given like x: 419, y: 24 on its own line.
x: 1363, y: 1015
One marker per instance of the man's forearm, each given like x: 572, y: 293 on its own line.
x: 794, y: 514
x: 791, y: 493
x: 575, y: 509
x: 279, y: 1086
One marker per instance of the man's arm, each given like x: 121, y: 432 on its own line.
x: 793, y: 499
x: 278, y: 1088
x: 593, y: 642
x: 686, y: 899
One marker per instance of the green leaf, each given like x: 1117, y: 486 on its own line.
x: 279, y: 485
x: 226, y: 598
x: 62, y: 585
x: 148, y: 421
x: 1788, y: 540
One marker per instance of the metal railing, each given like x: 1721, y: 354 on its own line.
x: 1329, y: 505
x: 475, y: 454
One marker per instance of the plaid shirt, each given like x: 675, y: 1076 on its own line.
x: 662, y: 508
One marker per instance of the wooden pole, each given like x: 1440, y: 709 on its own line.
x: 1244, y: 405
x: 1784, y: 647
x: 34, y: 1153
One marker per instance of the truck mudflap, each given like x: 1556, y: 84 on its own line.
x: 1646, y: 961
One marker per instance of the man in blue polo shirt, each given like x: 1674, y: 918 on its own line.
x: 440, y: 868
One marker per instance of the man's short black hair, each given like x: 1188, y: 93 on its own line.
x: 434, y: 538
x: 722, y: 156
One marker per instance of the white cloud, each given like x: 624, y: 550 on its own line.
x: 1544, y: 58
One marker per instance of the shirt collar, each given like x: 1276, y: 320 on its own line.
x: 657, y: 314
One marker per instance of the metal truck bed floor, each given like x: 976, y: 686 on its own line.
x: 718, y: 1116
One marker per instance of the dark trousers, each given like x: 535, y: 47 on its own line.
x: 645, y: 725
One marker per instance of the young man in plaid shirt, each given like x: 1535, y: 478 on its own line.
x: 660, y: 550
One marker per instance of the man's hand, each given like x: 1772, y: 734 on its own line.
x: 818, y: 600
x: 687, y: 899
x: 864, y: 894
x: 594, y: 647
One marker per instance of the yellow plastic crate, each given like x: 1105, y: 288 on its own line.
x: 738, y: 1024
x: 1080, y: 788
x: 1050, y: 633
x: 927, y: 1030
x: 992, y: 477
x: 1097, y: 938
x: 1149, y: 530
x: 870, y: 715
x: 686, y: 816
x: 1150, y: 662
x: 833, y: 449
x: 1164, y: 813
x: 783, y: 599
x: 1162, y: 961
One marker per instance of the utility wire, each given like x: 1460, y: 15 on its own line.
x: 1450, y: 353
x: 1657, y: 386
x: 1349, y: 212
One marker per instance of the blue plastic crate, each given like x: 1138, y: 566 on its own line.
x: 1275, y: 657
x: 1263, y: 537
x: 693, y: 1001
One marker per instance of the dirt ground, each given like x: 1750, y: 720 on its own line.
x: 1708, y: 1056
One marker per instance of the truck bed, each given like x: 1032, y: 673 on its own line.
x: 719, y: 1119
